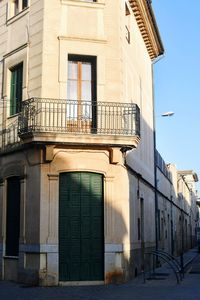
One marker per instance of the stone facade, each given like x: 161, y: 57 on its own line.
x: 111, y: 135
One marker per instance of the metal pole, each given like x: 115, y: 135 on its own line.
x: 182, y: 239
x: 155, y: 167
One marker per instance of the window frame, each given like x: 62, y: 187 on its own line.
x: 89, y: 59
x: 16, y: 7
x: 93, y: 61
x: 16, y: 88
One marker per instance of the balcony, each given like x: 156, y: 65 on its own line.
x: 61, y: 121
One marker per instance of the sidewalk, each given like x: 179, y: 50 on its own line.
x: 165, y: 289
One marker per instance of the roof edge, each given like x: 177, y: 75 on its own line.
x: 146, y: 21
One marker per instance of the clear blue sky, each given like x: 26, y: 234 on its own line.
x: 177, y: 83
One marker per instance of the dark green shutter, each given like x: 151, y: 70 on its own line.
x: 13, y: 216
x: 24, y: 4
x: 16, y: 89
x: 81, y: 234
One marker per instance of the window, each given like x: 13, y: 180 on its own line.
x: 24, y: 4
x: 16, y: 89
x: 16, y: 6
x: 13, y: 216
x: 127, y: 25
x: 81, y: 89
x: 142, y: 218
x: 139, y: 229
x: 159, y: 233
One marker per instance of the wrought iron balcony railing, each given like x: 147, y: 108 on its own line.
x: 9, y: 137
x: 74, y: 117
x: 115, y: 122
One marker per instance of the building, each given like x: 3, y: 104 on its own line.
x: 77, y: 195
x: 77, y: 184
x: 74, y: 95
x: 178, y: 212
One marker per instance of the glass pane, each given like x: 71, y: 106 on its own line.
x: 86, y: 111
x: 72, y: 70
x: 24, y: 4
x: 86, y: 91
x: 86, y: 71
x: 16, y: 5
x: 72, y: 91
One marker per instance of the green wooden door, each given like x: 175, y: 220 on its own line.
x: 81, y: 232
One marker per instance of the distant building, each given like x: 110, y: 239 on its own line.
x: 178, y: 213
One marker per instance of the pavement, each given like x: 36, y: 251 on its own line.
x: 161, y: 286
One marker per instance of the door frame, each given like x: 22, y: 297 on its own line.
x: 93, y: 61
x: 103, y: 224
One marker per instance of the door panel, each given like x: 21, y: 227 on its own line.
x: 81, y: 233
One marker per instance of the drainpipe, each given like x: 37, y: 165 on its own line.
x: 155, y: 165
x: 3, y: 102
x: 155, y: 152
x: 182, y: 242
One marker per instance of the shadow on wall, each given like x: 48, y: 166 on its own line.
x: 186, y: 222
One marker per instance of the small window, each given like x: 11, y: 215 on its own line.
x: 139, y: 229
x: 159, y: 229
x: 127, y: 11
x: 24, y: 4
x: 16, y: 6
x: 16, y: 89
x: 127, y: 25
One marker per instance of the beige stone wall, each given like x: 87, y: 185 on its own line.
x: 116, y: 202
x: 25, y: 165
x: 42, y: 37
x: 93, y: 34
x: 22, y: 41
x: 35, y: 51
x: 137, y: 88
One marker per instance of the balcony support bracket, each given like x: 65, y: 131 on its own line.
x: 115, y: 155
x: 49, y: 153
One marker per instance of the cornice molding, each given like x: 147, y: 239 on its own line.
x: 148, y: 27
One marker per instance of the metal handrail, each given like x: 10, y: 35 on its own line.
x: 173, y: 258
x: 9, y: 136
x: 167, y: 261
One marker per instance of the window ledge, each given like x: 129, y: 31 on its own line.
x: 10, y: 257
x: 14, y: 116
x: 22, y: 13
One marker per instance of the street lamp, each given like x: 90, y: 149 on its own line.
x: 166, y: 114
